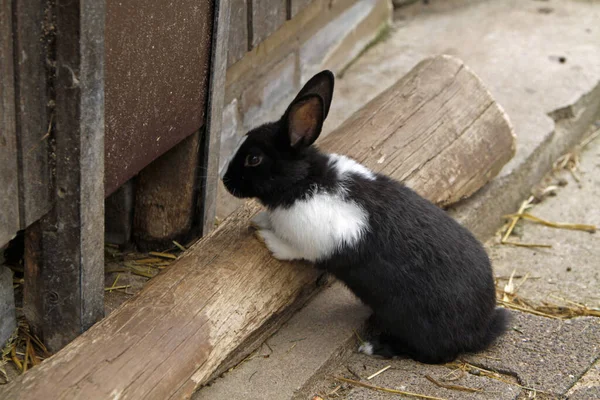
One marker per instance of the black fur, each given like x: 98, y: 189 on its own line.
x: 428, y: 281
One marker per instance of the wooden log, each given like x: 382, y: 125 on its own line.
x: 175, y: 334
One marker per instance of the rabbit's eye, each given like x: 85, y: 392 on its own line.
x: 252, y: 160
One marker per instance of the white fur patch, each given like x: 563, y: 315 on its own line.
x: 366, y: 348
x: 280, y: 249
x: 318, y: 226
x: 346, y: 166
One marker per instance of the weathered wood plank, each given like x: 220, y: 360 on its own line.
x: 9, y: 181
x: 71, y: 270
x: 266, y: 17
x: 238, y: 31
x: 32, y: 112
x: 295, y: 6
x: 209, y: 169
x: 178, y: 330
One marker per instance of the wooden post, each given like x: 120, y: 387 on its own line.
x: 165, y: 192
x: 66, y: 271
x: 207, y: 201
x: 176, y: 334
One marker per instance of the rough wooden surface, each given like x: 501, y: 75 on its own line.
x: 266, y: 17
x: 72, y: 268
x: 164, y: 197
x: 170, y: 338
x: 211, y: 143
x: 238, y: 31
x: 30, y: 31
x: 9, y: 199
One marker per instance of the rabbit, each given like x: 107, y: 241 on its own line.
x: 426, y: 278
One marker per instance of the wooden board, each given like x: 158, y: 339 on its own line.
x: 157, y: 67
x: 238, y: 31
x: 266, y: 17
x: 211, y: 143
x: 30, y: 31
x: 295, y: 6
x: 9, y: 182
x: 173, y: 336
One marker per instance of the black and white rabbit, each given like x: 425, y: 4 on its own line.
x: 427, y: 279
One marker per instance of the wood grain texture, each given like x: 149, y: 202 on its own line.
x: 9, y: 181
x: 32, y: 115
x: 266, y: 17
x: 238, y: 31
x: 209, y: 176
x: 173, y: 336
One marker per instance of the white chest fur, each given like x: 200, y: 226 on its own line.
x: 315, y: 228
x: 318, y: 226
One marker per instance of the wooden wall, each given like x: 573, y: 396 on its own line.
x: 252, y: 21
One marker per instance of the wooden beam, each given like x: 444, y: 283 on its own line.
x: 209, y: 169
x: 69, y: 266
x: 9, y: 182
x: 176, y: 333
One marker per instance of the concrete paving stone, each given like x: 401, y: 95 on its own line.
x: 571, y: 268
x: 409, y: 376
x: 588, y: 387
x: 309, y: 340
x: 540, y: 353
x: 546, y: 354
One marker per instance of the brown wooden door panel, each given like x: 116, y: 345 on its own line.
x: 157, y: 66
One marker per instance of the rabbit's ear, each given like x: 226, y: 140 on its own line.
x: 304, y: 120
x: 322, y: 85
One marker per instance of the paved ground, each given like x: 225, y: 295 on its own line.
x: 541, y: 61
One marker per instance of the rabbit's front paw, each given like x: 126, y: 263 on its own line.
x: 280, y: 249
x: 261, y: 221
